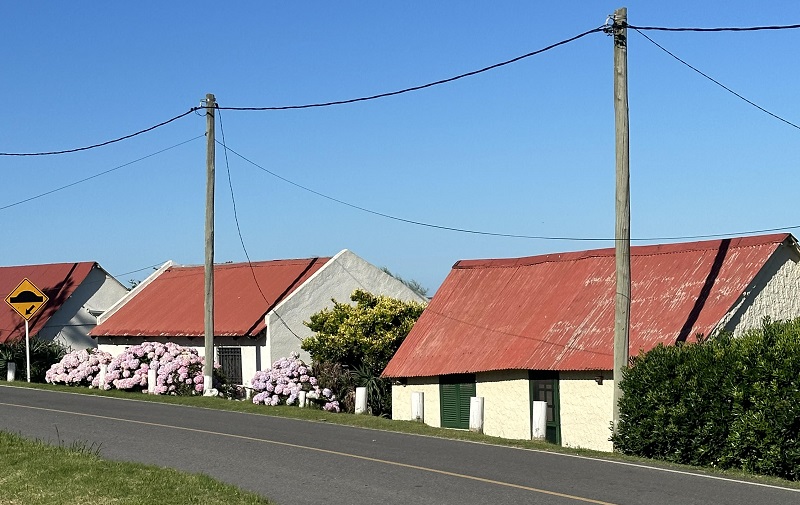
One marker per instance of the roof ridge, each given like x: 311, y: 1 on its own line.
x: 638, y: 251
x: 248, y: 264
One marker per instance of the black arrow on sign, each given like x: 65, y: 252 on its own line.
x: 28, y: 312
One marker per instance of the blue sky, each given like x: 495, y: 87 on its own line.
x: 526, y: 149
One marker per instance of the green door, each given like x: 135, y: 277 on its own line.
x: 454, y: 394
x: 544, y: 388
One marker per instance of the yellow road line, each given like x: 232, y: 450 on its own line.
x: 327, y: 451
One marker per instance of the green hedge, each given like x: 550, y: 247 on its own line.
x: 727, y: 402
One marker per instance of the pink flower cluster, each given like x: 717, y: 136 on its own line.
x: 78, y: 368
x: 179, y: 370
x: 285, y: 380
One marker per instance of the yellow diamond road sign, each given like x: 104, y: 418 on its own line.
x: 26, y: 299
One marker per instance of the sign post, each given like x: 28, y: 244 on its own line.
x: 26, y: 299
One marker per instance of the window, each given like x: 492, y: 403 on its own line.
x: 230, y: 359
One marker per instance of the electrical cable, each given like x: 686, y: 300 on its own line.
x: 140, y: 269
x: 726, y: 88
x: 722, y: 29
x: 423, y: 86
x: 395, y: 218
x: 505, y: 235
x: 414, y: 88
x: 97, y: 175
x: 326, y: 104
x: 239, y: 231
x: 225, y: 148
x: 120, y: 139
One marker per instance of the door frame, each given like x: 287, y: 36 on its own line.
x: 536, y: 379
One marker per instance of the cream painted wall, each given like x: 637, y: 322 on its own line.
x: 401, y: 400
x: 585, y: 406
x: 506, y: 404
x: 586, y: 410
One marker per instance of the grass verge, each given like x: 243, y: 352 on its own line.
x: 408, y: 427
x: 33, y: 472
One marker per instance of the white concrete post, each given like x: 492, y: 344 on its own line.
x: 152, y: 377
x: 476, y: 414
x: 361, y: 400
x: 11, y: 371
x: 539, y: 420
x: 101, y: 379
x: 418, y: 406
x: 302, y: 399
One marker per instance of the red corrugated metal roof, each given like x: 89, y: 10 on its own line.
x: 57, y: 280
x: 172, y: 304
x: 556, y: 312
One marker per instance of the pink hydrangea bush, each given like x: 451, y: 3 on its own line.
x: 179, y: 370
x: 78, y: 368
x: 180, y: 374
x: 283, y: 382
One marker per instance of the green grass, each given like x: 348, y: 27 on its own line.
x: 409, y: 427
x: 35, y: 473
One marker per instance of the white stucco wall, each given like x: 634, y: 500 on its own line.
x: 775, y: 292
x: 117, y: 345
x: 586, y: 409
x: 250, y: 350
x: 249, y: 362
x: 71, y: 324
x: 401, y: 400
x: 506, y: 404
x: 337, y: 279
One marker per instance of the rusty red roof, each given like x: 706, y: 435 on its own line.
x: 172, y: 304
x: 556, y: 312
x: 56, y: 280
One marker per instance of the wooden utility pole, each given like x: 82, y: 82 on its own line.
x: 622, y: 236
x: 208, y: 367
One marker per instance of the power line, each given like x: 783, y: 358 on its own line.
x: 388, y: 216
x: 235, y: 212
x: 97, y: 175
x: 496, y: 234
x: 325, y: 104
x: 423, y: 86
x: 239, y: 231
x: 120, y: 139
x: 722, y: 29
x: 140, y: 269
x: 726, y: 88
x: 414, y: 88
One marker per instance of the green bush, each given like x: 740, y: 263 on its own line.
x: 361, y: 339
x: 43, y: 356
x: 726, y: 402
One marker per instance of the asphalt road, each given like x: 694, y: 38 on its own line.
x: 296, y: 462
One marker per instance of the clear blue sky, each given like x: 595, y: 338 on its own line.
x: 526, y: 149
